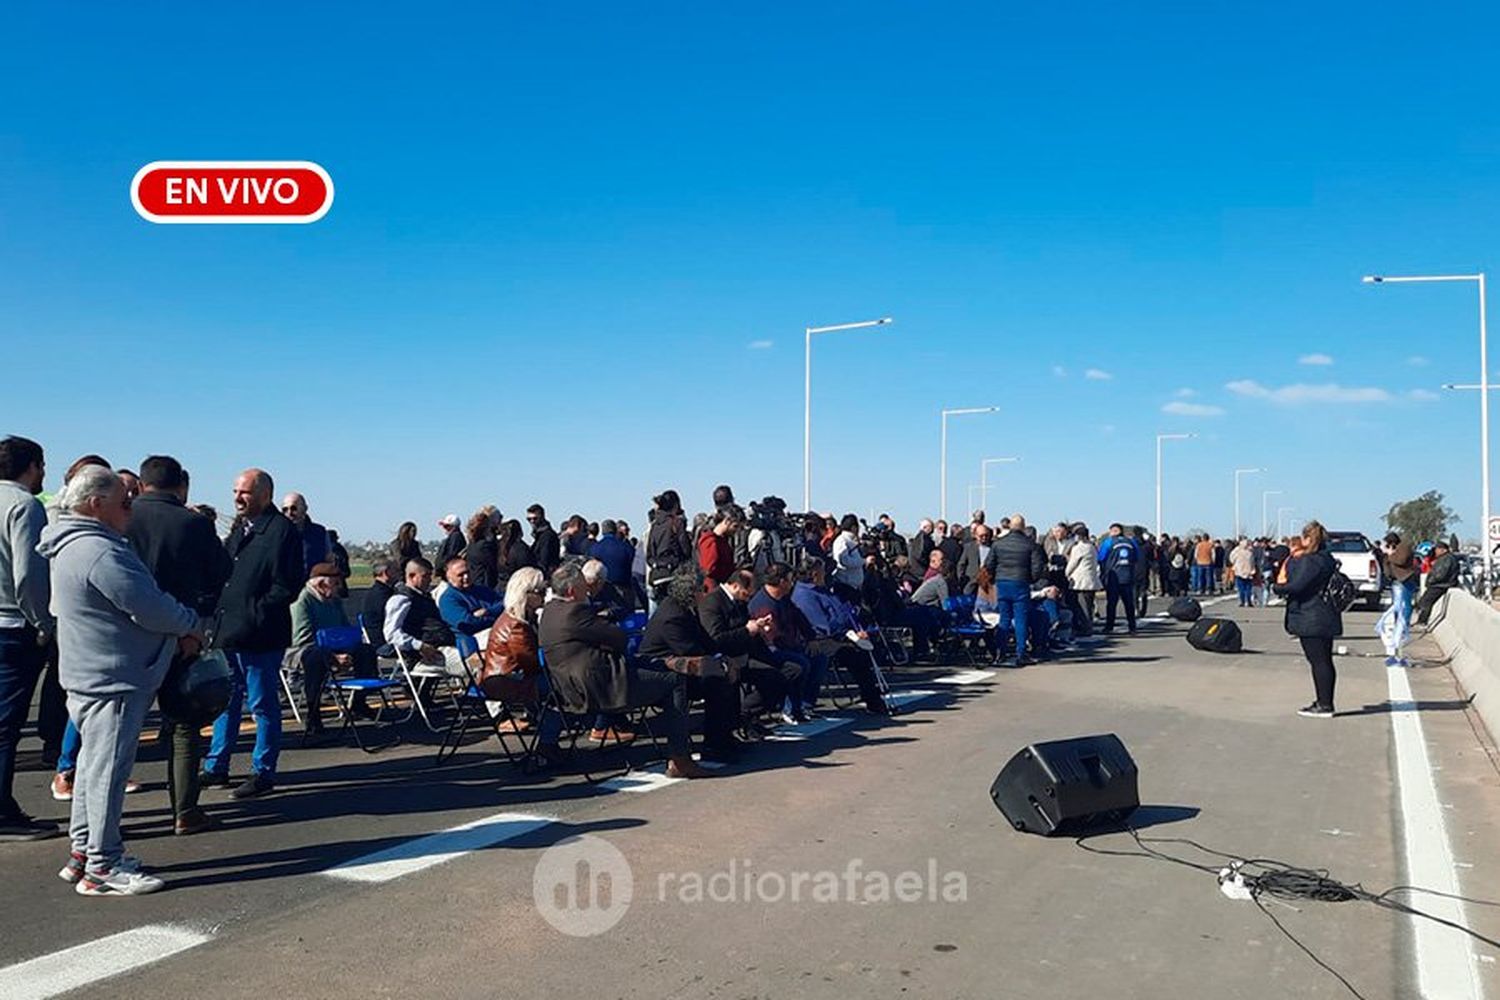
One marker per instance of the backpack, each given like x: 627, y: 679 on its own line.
x: 1340, y: 591
x: 1178, y: 562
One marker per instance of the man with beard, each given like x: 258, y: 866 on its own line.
x: 254, y: 622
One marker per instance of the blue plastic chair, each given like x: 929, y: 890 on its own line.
x: 342, y: 639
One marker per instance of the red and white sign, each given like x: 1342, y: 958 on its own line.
x: 285, y: 191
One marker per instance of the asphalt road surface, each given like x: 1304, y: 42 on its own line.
x: 907, y: 881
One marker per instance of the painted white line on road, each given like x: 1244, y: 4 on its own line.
x: 967, y: 677
x: 646, y: 780
x: 1445, y: 957
x: 423, y: 852
x: 81, y: 965
x: 900, y: 699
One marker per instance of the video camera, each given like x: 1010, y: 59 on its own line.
x: 770, y: 514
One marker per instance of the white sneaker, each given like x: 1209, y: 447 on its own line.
x: 125, y: 880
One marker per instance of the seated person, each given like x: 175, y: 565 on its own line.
x: 372, y: 607
x: 835, y: 634
x: 583, y: 652
x: 933, y: 590
x: 318, y: 606
x: 414, y: 626
x: 676, y: 636
x: 467, y: 607
x: 604, y: 595
x: 511, y: 671
x: 725, y: 615
x: 1441, y: 578
x: 788, y: 639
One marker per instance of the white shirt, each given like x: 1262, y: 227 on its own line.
x: 850, y: 560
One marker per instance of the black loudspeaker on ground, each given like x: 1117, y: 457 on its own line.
x: 1215, y: 635
x: 1185, y: 609
x: 1064, y: 788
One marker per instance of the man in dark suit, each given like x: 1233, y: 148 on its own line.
x: 582, y: 650
x: 546, y: 548
x: 724, y: 612
x: 182, y: 552
x: 979, y: 553
x: 254, y: 627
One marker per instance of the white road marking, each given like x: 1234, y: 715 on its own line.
x: 81, y: 965
x: 424, y: 852
x: 643, y: 780
x: 1445, y: 957
x: 967, y: 677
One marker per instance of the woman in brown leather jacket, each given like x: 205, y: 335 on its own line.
x: 512, y: 670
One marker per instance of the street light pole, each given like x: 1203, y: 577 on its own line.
x: 1265, y: 514
x: 984, y: 467
x: 981, y: 488
x: 1159, y: 439
x: 807, y: 396
x: 1237, y: 474
x: 1484, y: 401
x: 1280, y: 511
x: 943, y: 453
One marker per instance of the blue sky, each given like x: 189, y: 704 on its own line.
x: 574, y: 247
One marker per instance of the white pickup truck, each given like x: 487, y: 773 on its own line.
x: 1362, y: 563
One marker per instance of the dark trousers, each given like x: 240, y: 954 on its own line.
x: 1115, y: 591
x: 316, y: 664
x: 1319, y: 653
x: 20, y: 666
x: 769, y: 684
x: 721, y: 709
x: 52, y: 708
x: 1142, y: 595
x: 924, y: 622
x: 654, y: 685
x: 1427, y: 602
x: 184, y: 758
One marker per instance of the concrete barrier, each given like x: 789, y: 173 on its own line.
x: 1469, y: 632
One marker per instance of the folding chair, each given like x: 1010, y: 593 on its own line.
x: 342, y: 640
x: 576, y: 726
x: 288, y: 676
x: 961, y: 629
x: 471, y: 706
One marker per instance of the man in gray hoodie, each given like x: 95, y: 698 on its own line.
x: 25, y: 621
x: 116, y: 633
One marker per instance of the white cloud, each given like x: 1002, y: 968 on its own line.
x: 1298, y: 393
x: 1417, y: 361
x: 1185, y: 393
x: 760, y: 345
x: 1059, y: 371
x: 1097, y: 375
x: 1315, y: 359
x: 1422, y: 395
x: 1182, y: 409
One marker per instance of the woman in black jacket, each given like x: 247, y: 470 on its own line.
x: 514, y: 552
x: 1310, y: 615
x: 405, y: 547
x: 483, y: 552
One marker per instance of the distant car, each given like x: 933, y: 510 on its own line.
x: 1362, y: 563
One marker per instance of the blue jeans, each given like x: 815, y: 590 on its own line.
x: 1246, y: 587
x: 258, y: 676
x: 67, y: 757
x: 20, y: 665
x: 1013, y: 602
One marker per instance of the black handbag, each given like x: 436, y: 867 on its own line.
x: 196, y: 689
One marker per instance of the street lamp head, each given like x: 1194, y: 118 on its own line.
x: 884, y: 321
x: 1372, y: 279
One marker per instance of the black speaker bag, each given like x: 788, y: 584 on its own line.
x: 1215, y: 635
x: 1185, y: 609
x: 196, y: 689
x: 1064, y: 788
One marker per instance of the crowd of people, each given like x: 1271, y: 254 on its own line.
x: 118, y: 579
